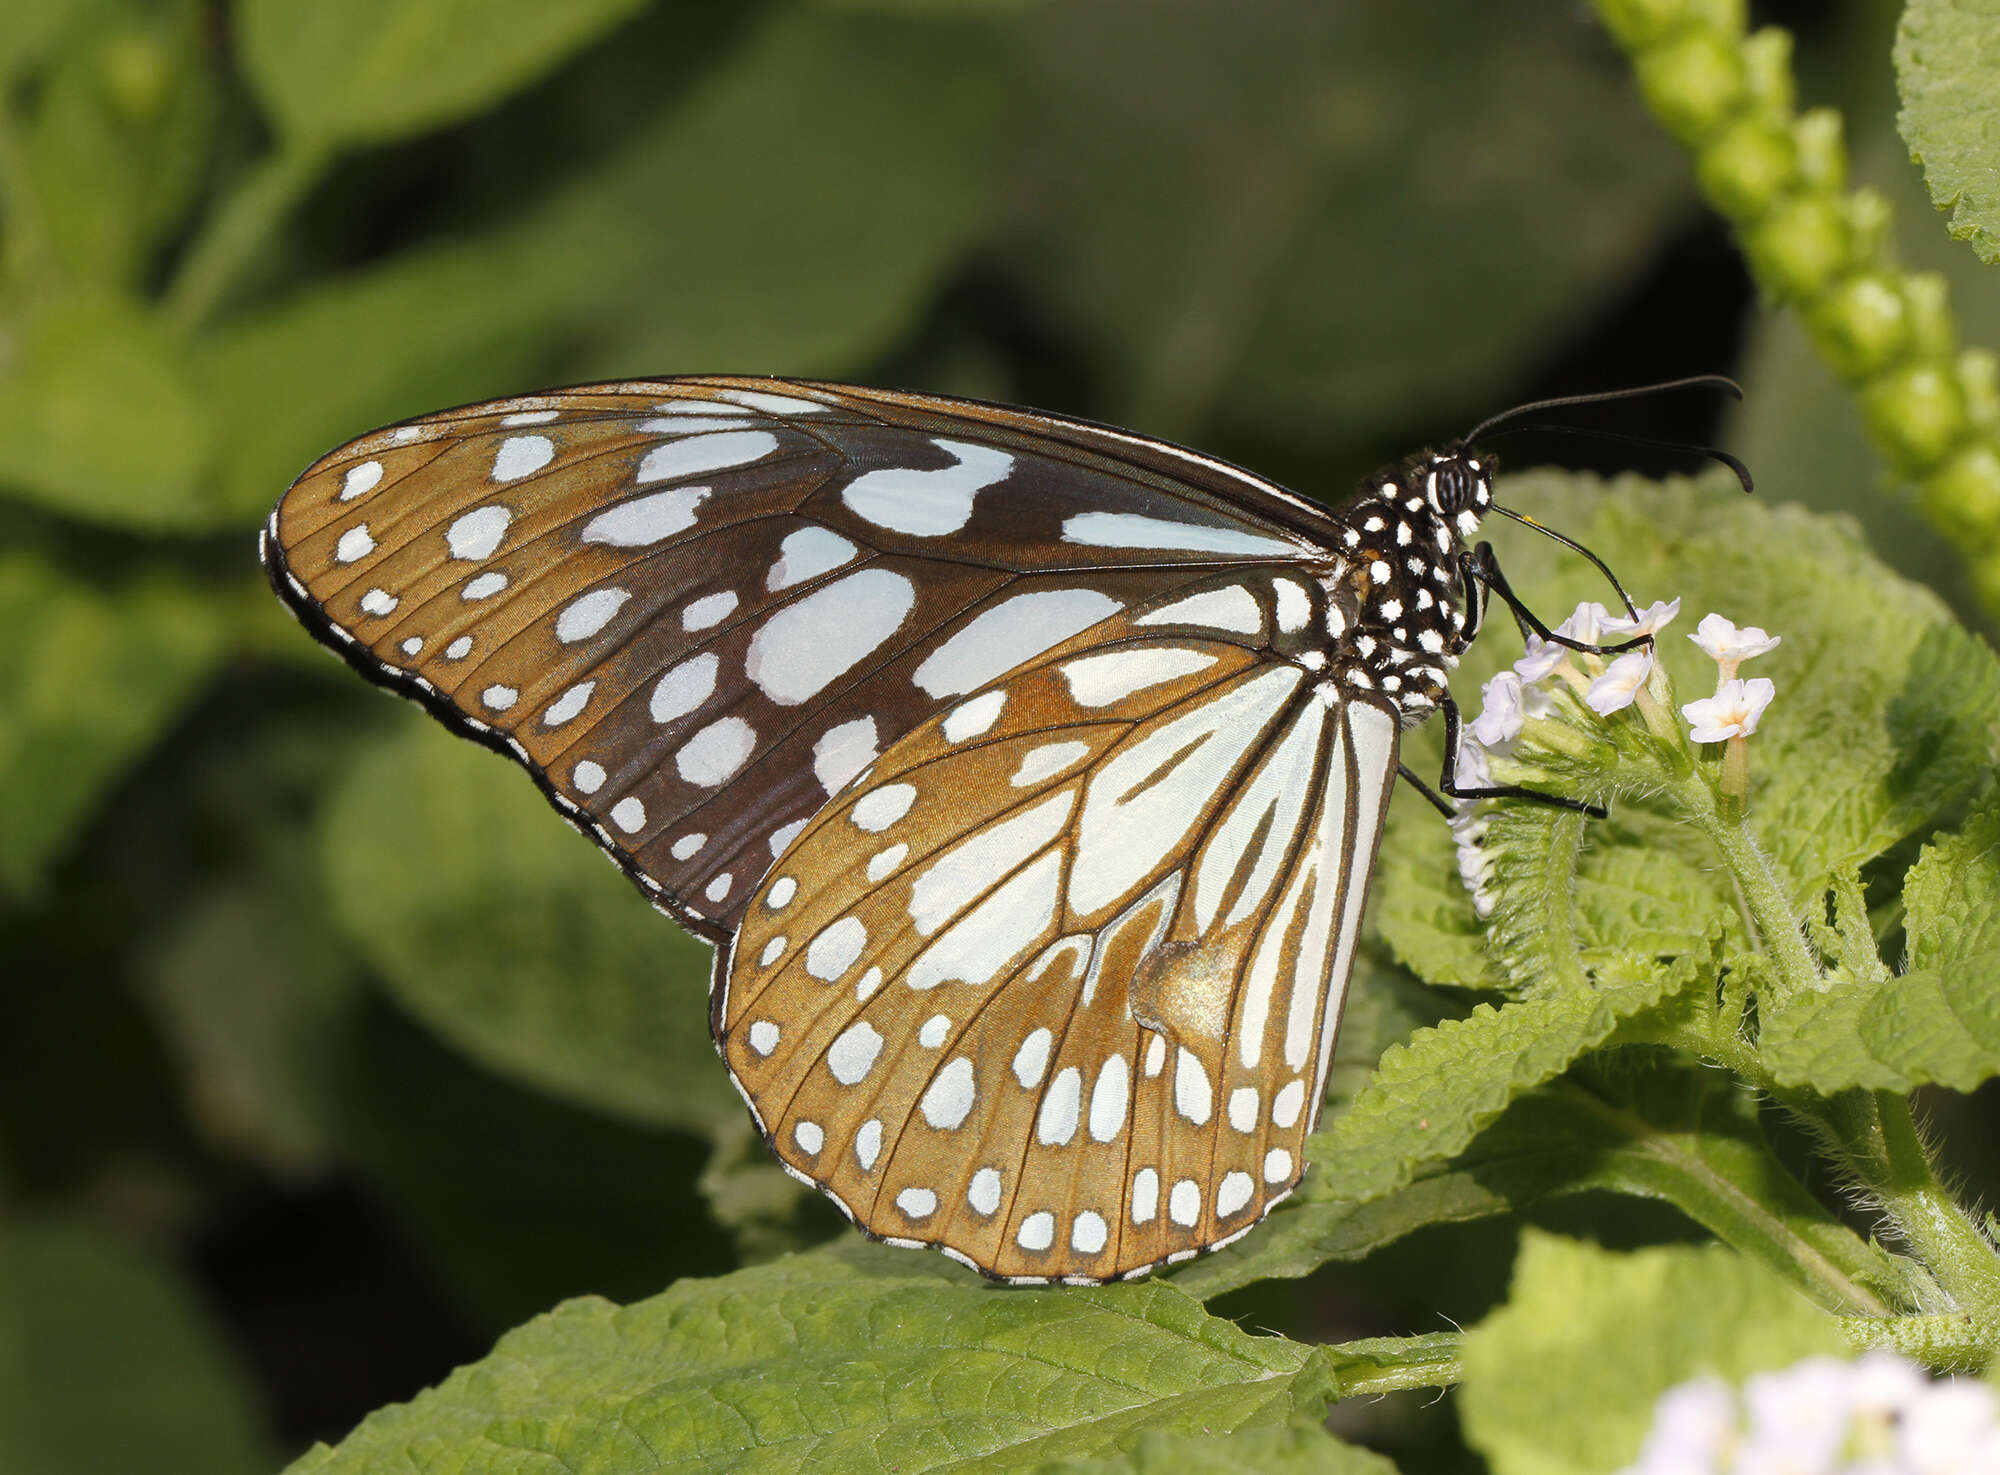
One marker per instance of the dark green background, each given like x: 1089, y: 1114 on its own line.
x: 296, y: 1108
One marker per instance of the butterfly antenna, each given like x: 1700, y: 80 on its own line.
x: 1575, y: 547
x: 1606, y: 396
x: 1621, y: 437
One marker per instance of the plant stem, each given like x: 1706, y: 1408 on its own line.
x: 1937, y: 1227
x: 1778, y: 928
x: 1946, y: 1344
x: 216, y: 262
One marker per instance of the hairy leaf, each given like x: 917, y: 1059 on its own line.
x: 1947, y: 53
x: 1294, y: 1449
x: 862, y: 1360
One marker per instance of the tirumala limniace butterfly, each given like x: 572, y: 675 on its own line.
x: 1025, y: 774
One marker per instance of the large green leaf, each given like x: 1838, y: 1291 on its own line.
x: 499, y: 926
x: 1937, y: 1024
x: 107, y: 1364
x: 371, y: 71
x: 1561, y: 1380
x: 1283, y: 215
x: 1299, y: 1449
x: 790, y: 216
x: 859, y: 1360
x: 94, y: 671
x: 1947, y: 55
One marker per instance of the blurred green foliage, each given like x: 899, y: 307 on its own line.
x: 231, y: 235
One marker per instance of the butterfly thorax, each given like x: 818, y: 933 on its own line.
x: 1404, y: 538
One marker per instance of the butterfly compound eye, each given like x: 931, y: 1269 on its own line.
x: 1454, y: 485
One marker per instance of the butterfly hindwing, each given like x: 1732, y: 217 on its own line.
x: 1054, y: 983
x: 695, y: 608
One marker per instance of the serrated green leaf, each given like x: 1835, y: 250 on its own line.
x: 733, y: 234
x: 875, y: 1362
x: 98, y: 419
x: 1562, y: 1380
x: 1428, y: 1099
x: 1947, y: 55
x: 1238, y: 209
x: 108, y: 1365
x: 94, y: 671
x: 373, y: 71
x: 1297, y: 1449
x: 497, y: 925
x: 1645, y: 1126
x: 1938, y: 1023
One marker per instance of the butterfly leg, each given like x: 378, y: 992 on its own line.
x: 1449, y: 784
x: 1484, y: 568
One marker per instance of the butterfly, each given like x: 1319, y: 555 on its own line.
x: 1026, y: 774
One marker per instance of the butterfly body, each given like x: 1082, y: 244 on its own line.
x: 1027, y: 774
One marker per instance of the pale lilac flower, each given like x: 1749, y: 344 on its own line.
x: 1536, y: 702
x: 1650, y: 621
x: 1471, y: 770
x: 1500, y: 711
x: 1622, y: 680
x: 1586, y: 623
x: 1879, y: 1415
x: 1734, y: 710
x: 1729, y: 645
x: 1542, y: 658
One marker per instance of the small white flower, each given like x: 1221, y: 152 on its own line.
x: 1500, y: 711
x: 1734, y: 710
x: 1472, y: 771
x: 1798, y: 1417
x: 1542, y: 658
x: 1650, y: 621
x: 1536, y: 702
x: 1943, y: 1430
x: 1727, y: 644
x: 1586, y: 623
x: 1621, y: 682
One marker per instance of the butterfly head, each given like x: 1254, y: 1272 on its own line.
x: 1457, y: 486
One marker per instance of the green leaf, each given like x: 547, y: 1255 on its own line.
x: 1429, y: 1098
x: 733, y: 233
x: 98, y: 418
x: 870, y: 1360
x: 1947, y: 54
x: 1295, y: 1449
x: 114, y: 146
x: 500, y: 927
x: 107, y: 1364
x: 1646, y: 1126
x: 1241, y: 212
x: 373, y: 71
x: 94, y: 671
x: 1562, y: 1379
x: 1937, y: 1024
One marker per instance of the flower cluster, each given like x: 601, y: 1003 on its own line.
x: 1553, y: 676
x: 1879, y: 1415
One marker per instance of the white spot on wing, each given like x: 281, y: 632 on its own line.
x: 522, y: 455
x: 764, y: 1037
x: 804, y: 647
x: 970, y: 719
x: 1032, y: 1058
x: 645, y: 520
x: 713, y: 755
x: 997, y: 933
x: 1100, y: 680
x: 379, y: 602
x: 984, y: 1194
x: 1193, y: 1097
x: 588, y: 778
x: 776, y: 404
x: 868, y: 1143
x: 1047, y: 761
x: 883, y: 863
x: 880, y: 808
x: 529, y: 417
x: 1184, y: 1205
x: 688, y: 846
x: 710, y: 609
x: 478, y: 533
x: 956, y: 878
x: 844, y: 751
x: 951, y: 1096
x: 1286, y: 1104
x: 1135, y: 530
x: 810, y: 1136
x: 1109, y: 1098
x: 700, y: 453
x: 360, y: 480
x: 1088, y: 1234
x: 568, y: 704
x: 1038, y: 1231
x: 853, y: 1054
x: 1056, y: 1124
x: 1145, y: 1196
x: 629, y: 814
x: 836, y: 949
x: 459, y: 649
x: 1231, y: 608
x: 928, y: 504
x: 499, y: 698
x: 806, y: 554
x: 917, y: 1203
x: 1243, y: 1108
x: 1001, y: 638
x: 482, y: 586
x: 1233, y: 1194
x: 354, y: 544
x: 684, y: 688
x: 583, y: 617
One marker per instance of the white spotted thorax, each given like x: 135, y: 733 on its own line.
x: 1025, y: 774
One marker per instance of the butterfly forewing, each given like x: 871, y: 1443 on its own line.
x: 696, y: 608
x: 1049, y: 987
x: 1002, y: 755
